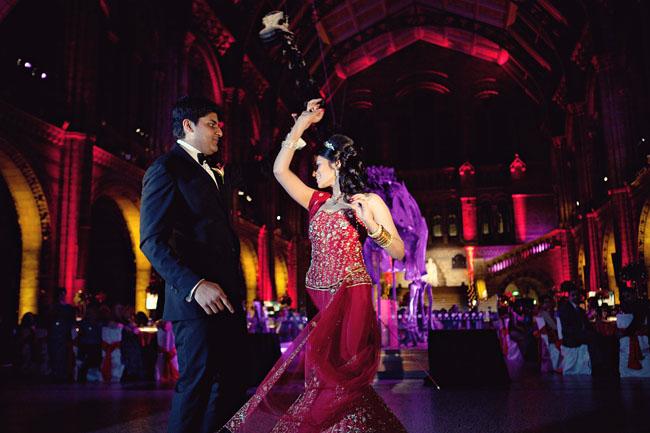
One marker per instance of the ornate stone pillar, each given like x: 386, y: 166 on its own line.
x: 74, y: 211
x: 592, y: 242
x: 80, y: 63
x: 623, y: 226
x: 563, y: 173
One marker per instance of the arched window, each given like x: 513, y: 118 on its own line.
x: 485, y: 225
x: 437, y: 226
x: 459, y: 261
x: 452, y: 225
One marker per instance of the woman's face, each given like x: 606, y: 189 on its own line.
x: 324, y: 173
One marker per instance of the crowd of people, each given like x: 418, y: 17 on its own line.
x: 571, y: 321
x: 64, y: 343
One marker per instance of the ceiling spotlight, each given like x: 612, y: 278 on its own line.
x: 240, y: 192
x: 278, y: 217
x: 249, y: 198
x: 577, y: 203
x: 605, y: 179
x: 27, y: 65
x: 43, y: 76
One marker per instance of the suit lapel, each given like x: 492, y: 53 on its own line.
x: 199, y: 172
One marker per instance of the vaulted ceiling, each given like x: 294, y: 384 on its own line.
x: 528, y: 40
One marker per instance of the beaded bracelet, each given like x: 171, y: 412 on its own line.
x: 294, y: 145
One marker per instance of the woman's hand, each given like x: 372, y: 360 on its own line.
x: 313, y: 114
x: 359, y: 202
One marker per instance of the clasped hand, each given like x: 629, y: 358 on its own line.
x: 312, y: 114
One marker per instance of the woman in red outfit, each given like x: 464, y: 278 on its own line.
x: 323, y: 382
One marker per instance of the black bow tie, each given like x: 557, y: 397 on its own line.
x: 212, y: 160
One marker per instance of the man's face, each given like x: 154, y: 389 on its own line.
x: 204, y: 135
x: 575, y: 297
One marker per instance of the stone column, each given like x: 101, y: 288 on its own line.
x: 74, y: 211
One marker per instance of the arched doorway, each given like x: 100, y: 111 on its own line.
x: 248, y: 257
x: 281, y: 274
x: 609, y: 255
x: 12, y: 256
x: 644, y: 239
x: 111, y: 264
x: 582, y: 263
x: 28, y: 208
x: 525, y: 288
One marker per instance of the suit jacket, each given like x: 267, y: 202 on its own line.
x: 186, y: 234
x: 575, y: 325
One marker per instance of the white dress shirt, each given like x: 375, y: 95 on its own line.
x: 193, y: 152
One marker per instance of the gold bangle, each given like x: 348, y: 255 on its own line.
x: 376, y: 233
x: 384, y: 239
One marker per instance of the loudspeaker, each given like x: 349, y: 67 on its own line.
x: 466, y: 358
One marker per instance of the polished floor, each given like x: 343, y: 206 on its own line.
x: 552, y: 404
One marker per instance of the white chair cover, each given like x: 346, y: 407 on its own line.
x: 112, y: 367
x: 575, y: 360
x: 549, y: 353
x: 622, y: 322
x: 167, y: 361
x: 511, y: 353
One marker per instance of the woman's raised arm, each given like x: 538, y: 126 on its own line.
x: 291, y: 183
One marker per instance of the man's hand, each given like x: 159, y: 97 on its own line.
x: 211, y: 297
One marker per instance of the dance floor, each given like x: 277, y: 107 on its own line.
x: 552, y: 404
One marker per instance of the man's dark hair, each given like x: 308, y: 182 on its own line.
x: 192, y: 108
x: 569, y: 286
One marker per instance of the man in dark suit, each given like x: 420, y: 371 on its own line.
x: 186, y: 234
x: 577, y: 329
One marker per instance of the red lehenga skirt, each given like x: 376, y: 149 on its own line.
x: 322, y: 383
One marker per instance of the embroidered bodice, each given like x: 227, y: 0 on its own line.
x: 336, y: 250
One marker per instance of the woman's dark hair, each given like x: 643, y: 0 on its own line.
x: 352, y: 173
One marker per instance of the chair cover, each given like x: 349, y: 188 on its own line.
x: 575, y: 360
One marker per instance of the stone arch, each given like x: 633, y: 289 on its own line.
x: 199, y: 49
x: 529, y: 279
x: 582, y: 262
x: 281, y: 274
x: 248, y: 257
x: 128, y: 202
x: 644, y: 238
x: 33, y: 219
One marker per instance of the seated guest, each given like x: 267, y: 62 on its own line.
x: 130, y: 347
x: 257, y: 322
x: 90, y: 345
x: 631, y: 305
x: 141, y: 319
x: 547, y: 312
x: 27, y: 352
